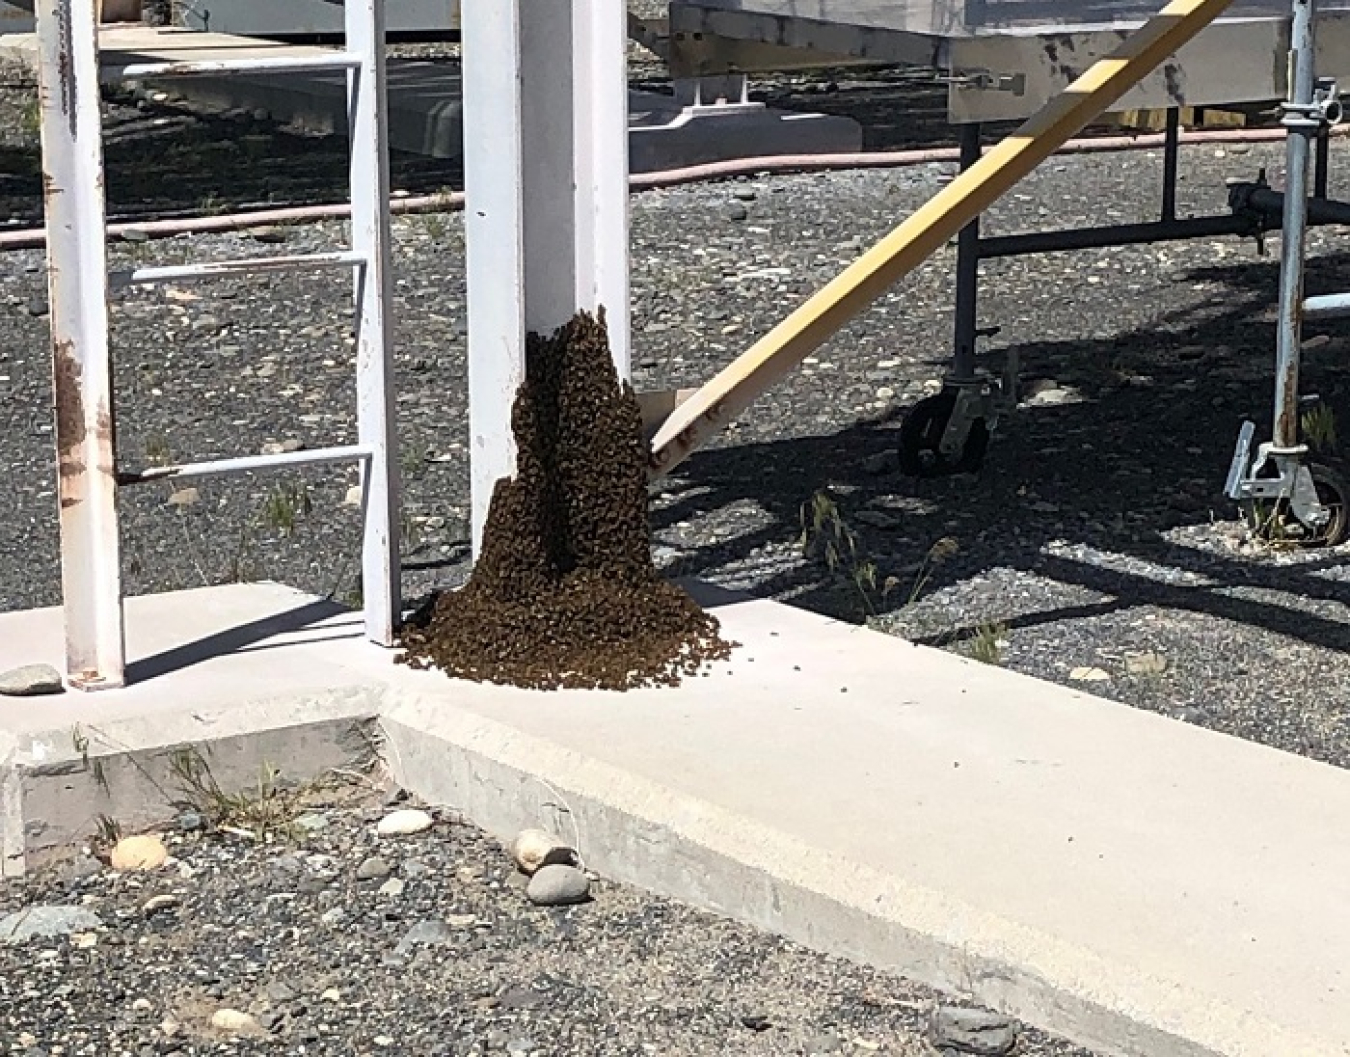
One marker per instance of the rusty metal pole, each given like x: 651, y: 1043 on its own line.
x: 77, y: 280
x: 1302, y: 126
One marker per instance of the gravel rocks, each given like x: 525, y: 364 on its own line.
x: 462, y: 965
x: 44, y: 922
x: 404, y: 823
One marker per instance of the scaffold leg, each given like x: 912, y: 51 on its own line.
x: 775, y: 355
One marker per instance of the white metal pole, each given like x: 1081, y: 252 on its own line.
x: 494, y: 250
x: 77, y: 278
x: 600, y: 150
x: 371, y: 237
x: 546, y: 185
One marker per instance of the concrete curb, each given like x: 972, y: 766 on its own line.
x: 58, y: 783
x: 1138, y: 885
x: 641, y: 833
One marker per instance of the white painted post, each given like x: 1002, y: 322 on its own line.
x: 371, y: 238
x: 546, y: 180
x: 77, y: 280
x: 494, y: 261
x: 600, y: 150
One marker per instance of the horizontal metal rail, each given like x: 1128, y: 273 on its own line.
x: 1327, y: 306
x: 245, y: 464
x: 1107, y: 236
x: 144, y: 71
x: 243, y: 266
x: 1320, y: 210
x: 1261, y: 212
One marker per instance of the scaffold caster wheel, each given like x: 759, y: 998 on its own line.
x: 1277, y: 523
x: 921, y: 454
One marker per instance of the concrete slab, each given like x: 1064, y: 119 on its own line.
x: 226, y: 670
x: 425, y: 107
x: 1140, y: 885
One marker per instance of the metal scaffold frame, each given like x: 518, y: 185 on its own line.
x: 546, y: 218
x: 78, y: 281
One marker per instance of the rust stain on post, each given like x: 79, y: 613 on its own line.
x: 66, y: 377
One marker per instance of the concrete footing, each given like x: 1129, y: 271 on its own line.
x: 1137, y: 884
x: 425, y: 109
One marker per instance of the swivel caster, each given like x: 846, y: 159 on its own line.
x: 944, y: 434
x: 1279, y: 522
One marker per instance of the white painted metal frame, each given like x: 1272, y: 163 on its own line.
x: 546, y: 198
x: 78, y: 280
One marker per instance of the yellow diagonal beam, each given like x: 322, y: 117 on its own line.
x: 771, y: 358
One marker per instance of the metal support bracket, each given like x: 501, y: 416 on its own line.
x: 1323, y: 112
x: 987, y: 81
x: 979, y: 397
x: 1276, y: 474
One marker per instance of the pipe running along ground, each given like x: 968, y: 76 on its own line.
x: 35, y: 238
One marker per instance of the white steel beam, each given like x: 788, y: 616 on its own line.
x: 546, y: 210
x: 381, y: 568
x: 77, y: 278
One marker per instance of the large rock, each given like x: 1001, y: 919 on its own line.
x: 956, y: 1032
x: 558, y: 886
x: 41, y: 922
x: 404, y: 823
x: 143, y: 852
x: 31, y: 680
x: 535, y: 848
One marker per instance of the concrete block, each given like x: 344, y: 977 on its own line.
x: 425, y: 104
x: 1143, y: 886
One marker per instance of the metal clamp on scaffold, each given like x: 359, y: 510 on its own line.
x: 1323, y: 112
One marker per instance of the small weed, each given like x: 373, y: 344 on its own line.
x: 107, y: 832
x: 285, y: 506
x: 825, y: 533
x: 80, y: 741
x: 157, y: 451
x: 435, y: 226
x: 987, y: 644
x: 240, y: 566
x: 1319, y: 428
x: 211, y: 204
x: 410, y: 533
x: 411, y: 463
x: 30, y: 116
x: 262, y: 814
x: 938, y: 553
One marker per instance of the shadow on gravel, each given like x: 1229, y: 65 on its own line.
x: 166, y: 161
x: 1085, y: 493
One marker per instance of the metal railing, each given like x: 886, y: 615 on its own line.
x: 70, y: 74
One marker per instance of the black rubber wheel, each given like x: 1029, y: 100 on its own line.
x: 920, y: 453
x: 1277, y: 524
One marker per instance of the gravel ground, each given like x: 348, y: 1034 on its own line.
x: 1096, y: 532
x: 345, y: 942
x: 1094, y: 549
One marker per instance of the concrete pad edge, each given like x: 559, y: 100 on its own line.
x: 639, y: 832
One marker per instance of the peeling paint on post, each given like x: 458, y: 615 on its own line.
x: 77, y: 279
